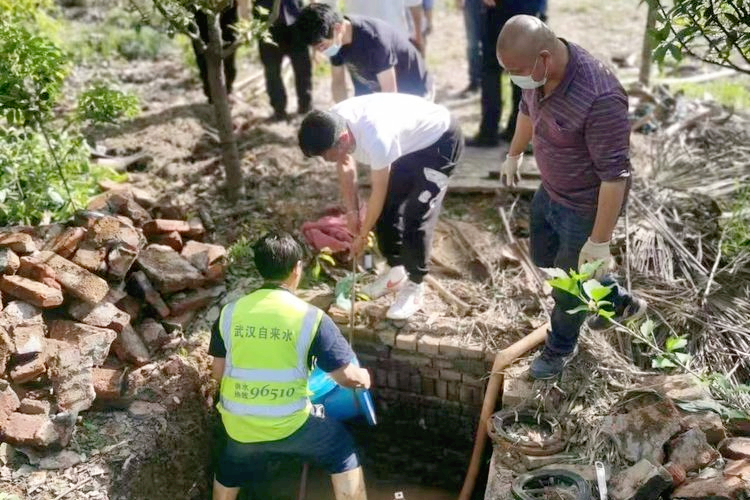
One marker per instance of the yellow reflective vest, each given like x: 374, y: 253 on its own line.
x: 264, y: 394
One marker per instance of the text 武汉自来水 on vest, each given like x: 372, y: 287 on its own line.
x: 264, y: 394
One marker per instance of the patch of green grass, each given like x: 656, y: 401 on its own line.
x: 737, y: 237
x: 729, y: 92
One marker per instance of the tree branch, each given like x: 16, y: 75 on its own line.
x: 732, y: 44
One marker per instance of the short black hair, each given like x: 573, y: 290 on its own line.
x: 316, y: 22
x: 319, y: 132
x: 275, y: 254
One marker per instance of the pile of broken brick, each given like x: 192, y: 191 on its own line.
x: 81, y: 304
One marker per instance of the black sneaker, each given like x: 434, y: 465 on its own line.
x: 632, y: 309
x: 548, y: 365
x: 482, y: 141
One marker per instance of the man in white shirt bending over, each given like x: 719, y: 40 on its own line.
x: 411, y: 146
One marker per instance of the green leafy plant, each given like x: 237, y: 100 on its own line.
x: 714, y: 32
x: 102, y: 104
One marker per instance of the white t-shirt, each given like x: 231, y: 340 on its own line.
x: 387, y: 126
x: 391, y: 11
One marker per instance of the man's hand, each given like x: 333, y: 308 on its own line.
x: 358, y: 244
x: 509, y: 169
x: 364, y: 377
x: 592, y: 252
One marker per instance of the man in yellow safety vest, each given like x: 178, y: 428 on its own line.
x: 263, y: 345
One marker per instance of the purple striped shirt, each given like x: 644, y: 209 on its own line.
x: 581, y: 131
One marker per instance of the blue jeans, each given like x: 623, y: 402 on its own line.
x: 557, y: 235
x: 474, y: 26
x: 323, y: 441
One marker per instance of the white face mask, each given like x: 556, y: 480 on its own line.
x: 526, y: 81
x: 332, y: 50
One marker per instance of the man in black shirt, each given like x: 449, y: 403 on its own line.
x: 379, y: 57
x: 285, y: 43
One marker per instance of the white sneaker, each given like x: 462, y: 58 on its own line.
x: 388, y: 282
x: 408, y: 301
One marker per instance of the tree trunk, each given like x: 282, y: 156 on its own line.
x: 645, y: 74
x: 217, y: 85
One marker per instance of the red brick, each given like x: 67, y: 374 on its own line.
x: 29, y: 430
x: 216, y: 272
x: 131, y: 306
x: 124, y: 202
x: 153, y: 334
x: 129, y: 347
x: 103, y: 315
x: 29, y: 370
x: 108, y: 383
x: 32, y: 268
x: 203, y: 255
x: 150, y: 294
x: 173, y: 240
x: 162, y: 226
x: 34, y: 407
x: 28, y: 339
x: 732, y: 483
x: 71, y: 374
x: 18, y: 242
x: 112, y: 231
x: 736, y: 448
x: 8, y: 400
x: 194, y: 299
x: 9, y: 261
x: 428, y: 344
x: 76, y: 280
x: 67, y: 243
x: 33, y: 292
x: 94, y: 342
x: 91, y: 258
x: 168, y: 270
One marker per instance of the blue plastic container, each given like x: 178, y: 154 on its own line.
x: 341, y: 403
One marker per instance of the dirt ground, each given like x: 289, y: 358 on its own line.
x: 164, y: 455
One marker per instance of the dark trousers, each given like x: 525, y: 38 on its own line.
x: 557, y: 236
x: 286, y: 44
x: 416, y: 188
x: 473, y: 22
x: 226, y: 19
x: 494, y: 20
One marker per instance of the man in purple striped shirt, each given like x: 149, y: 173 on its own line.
x: 575, y: 112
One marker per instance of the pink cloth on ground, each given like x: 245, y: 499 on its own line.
x: 330, y: 231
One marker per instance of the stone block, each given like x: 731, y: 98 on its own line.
x: 453, y: 392
x: 34, y: 407
x: 468, y: 395
x: 412, y: 360
x: 194, y: 300
x: 204, y: 255
x: 126, y: 200
x: 517, y: 386
x: 129, y: 347
x: 91, y: 258
x: 17, y: 312
x: 736, y: 448
x: 18, y: 242
x: 197, y: 231
x: 428, y: 344
x: 406, y: 341
x: 393, y: 380
x: 441, y: 389
x: 120, y: 260
x: 33, y: 292
x: 165, y: 226
x: 66, y: 244
x: 381, y: 377
x: 72, y: 381
x: 150, y: 294
x: 450, y: 375
x: 734, y: 482
x: 709, y: 422
x: 415, y: 384
x: 472, y: 380
x: 111, y: 232
x: 153, y: 334
x: 172, y: 240
x: 429, y: 371
x: 29, y: 430
x: 32, y: 268
x: 450, y: 347
x: 8, y: 400
x: 387, y: 336
x: 428, y: 386
x: 29, y: 370
x: 691, y: 451
x: 94, y: 342
x: 28, y: 338
x: 131, y: 306
x: 9, y: 261
x: 102, y: 315
x: 76, y: 280
x: 472, y: 351
x: 682, y: 387
x: 642, y: 481
x: 108, y: 383
x: 168, y: 270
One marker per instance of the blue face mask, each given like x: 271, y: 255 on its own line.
x: 332, y: 50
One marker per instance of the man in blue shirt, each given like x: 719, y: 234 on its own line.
x: 379, y: 57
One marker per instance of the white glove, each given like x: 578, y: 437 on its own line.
x: 509, y: 169
x: 592, y: 252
